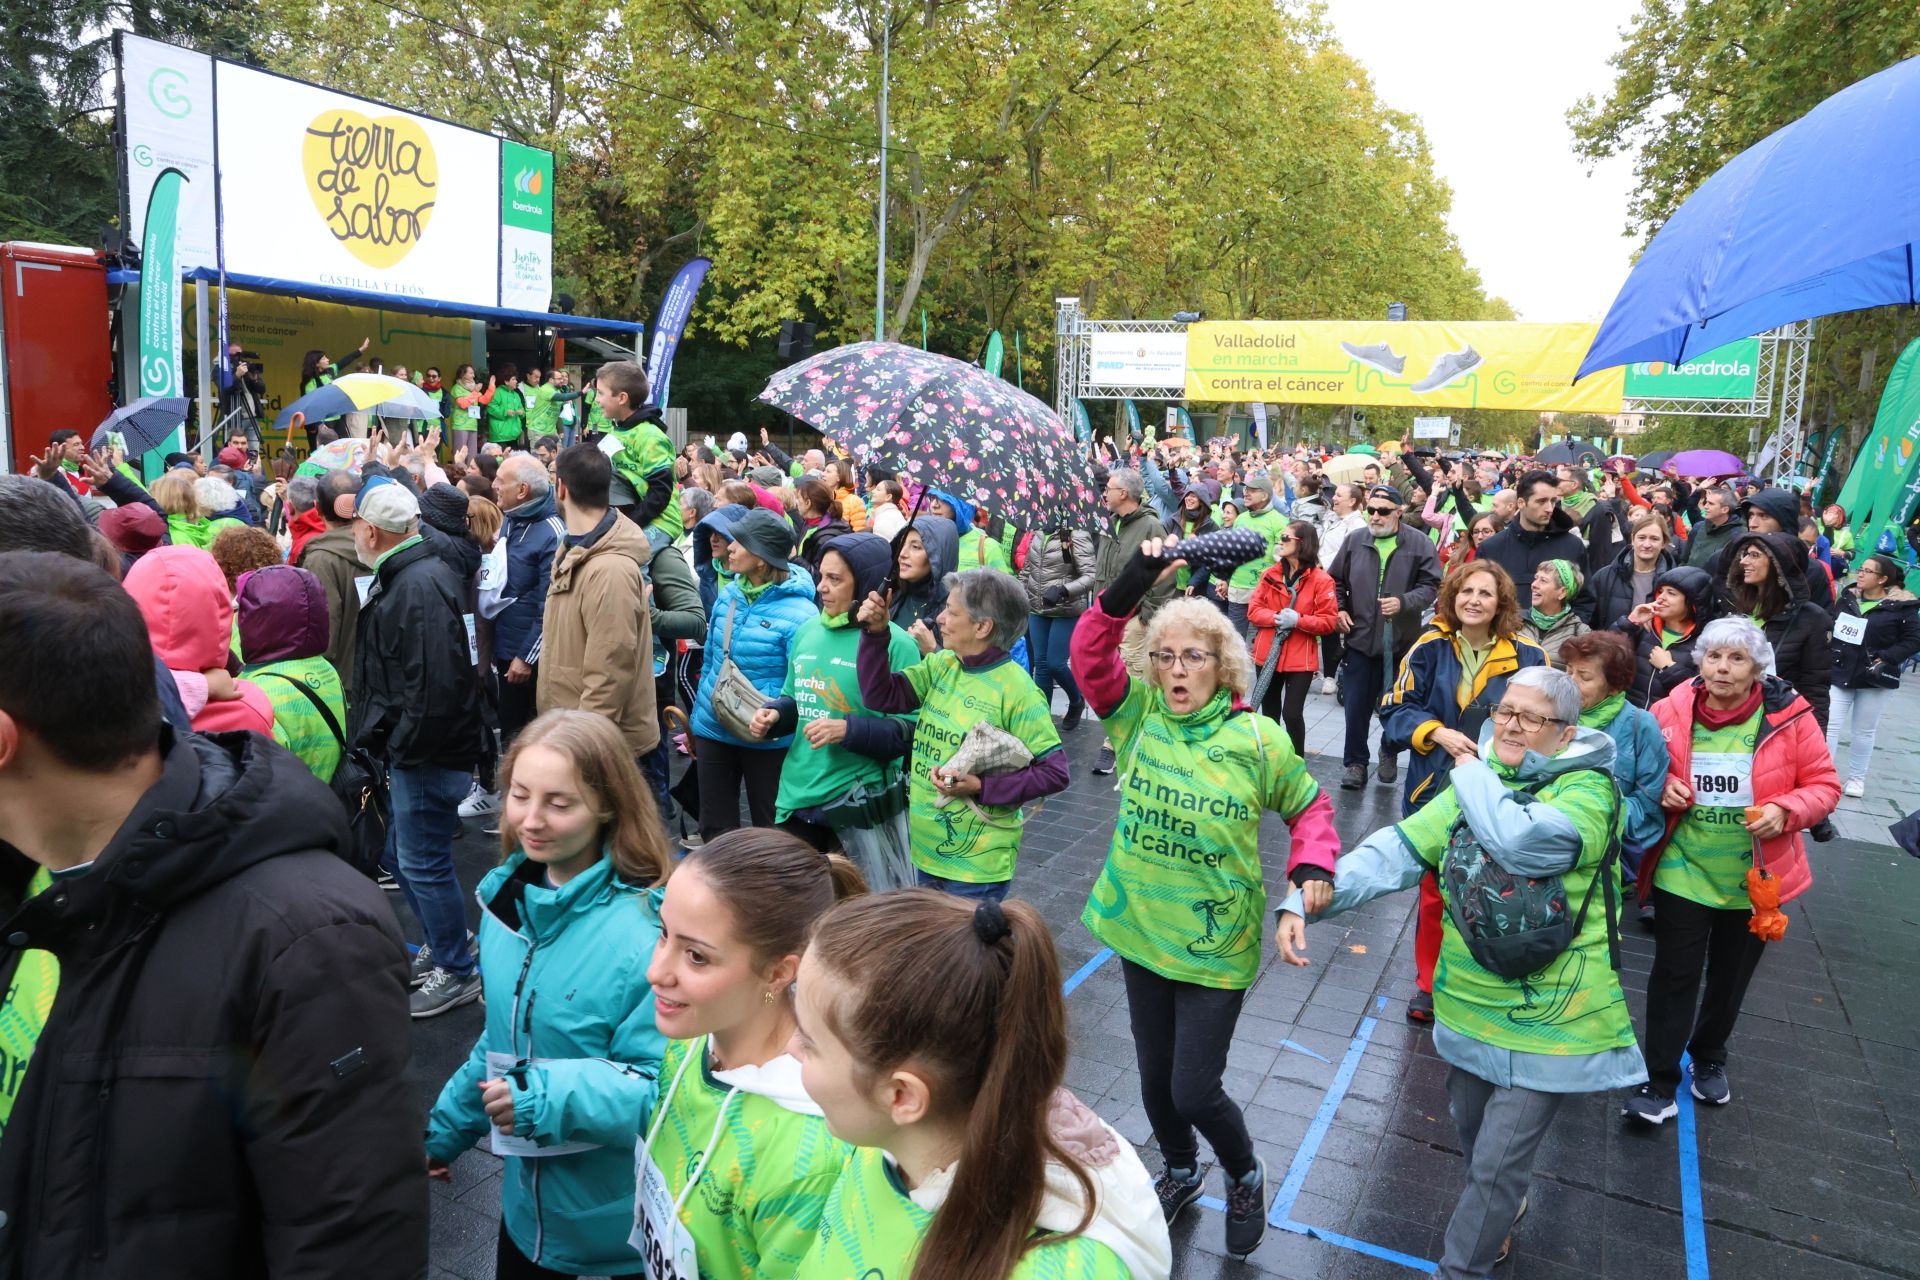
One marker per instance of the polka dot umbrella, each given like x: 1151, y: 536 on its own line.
x: 945, y: 424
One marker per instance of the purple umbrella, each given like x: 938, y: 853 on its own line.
x: 945, y: 424
x: 1715, y: 463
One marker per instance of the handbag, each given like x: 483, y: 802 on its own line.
x: 987, y: 749
x: 360, y: 784
x: 735, y: 698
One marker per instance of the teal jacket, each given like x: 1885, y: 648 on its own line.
x: 565, y: 974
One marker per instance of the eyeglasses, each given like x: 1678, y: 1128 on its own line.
x: 1188, y: 659
x: 1383, y: 512
x: 1504, y: 715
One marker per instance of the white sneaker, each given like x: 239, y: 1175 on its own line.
x: 1450, y: 366
x: 1856, y: 787
x: 1328, y: 687
x: 479, y: 803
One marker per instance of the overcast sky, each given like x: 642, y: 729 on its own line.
x: 1491, y: 80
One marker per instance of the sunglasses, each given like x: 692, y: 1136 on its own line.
x: 1383, y: 511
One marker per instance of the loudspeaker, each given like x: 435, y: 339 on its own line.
x: 796, y: 340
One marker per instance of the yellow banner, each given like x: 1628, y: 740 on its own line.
x: 1473, y: 364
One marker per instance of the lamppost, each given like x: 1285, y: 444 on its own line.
x: 880, y: 265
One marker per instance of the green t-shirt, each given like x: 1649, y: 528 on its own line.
x: 36, y: 979
x: 954, y: 842
x: 1384, y: 548
x: 1706, y: 859
x: 978, y: 551
x: 1182, y: 892
x: 1269, y: 523
x: 645, y: 449
x: 823, y: 682
x: 1868, y: 606
x: 542, y: 412
x: 1572, y: 1007
x: 757, y: 1207
x: 1668, y: 639
x: 872, y: 1230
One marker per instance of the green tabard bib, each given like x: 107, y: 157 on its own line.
x: 953, y: 842
x: 1706, y: 861
x: 645, y: 449
x: 1182, y: 892
x: 872, y: 1230
x: 822, y: 682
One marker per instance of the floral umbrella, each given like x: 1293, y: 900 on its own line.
x: 945, y: 424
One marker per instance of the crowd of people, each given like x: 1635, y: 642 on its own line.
x: 771, y: 1011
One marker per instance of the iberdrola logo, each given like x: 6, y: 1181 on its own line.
x: 528, y: 182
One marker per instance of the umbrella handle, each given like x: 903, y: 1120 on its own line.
x: 298, y: 419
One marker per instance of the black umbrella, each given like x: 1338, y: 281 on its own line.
x: 1655, y: 460
x: 144, y: 424
x: 1906, y: 833
x: 1577, y: 453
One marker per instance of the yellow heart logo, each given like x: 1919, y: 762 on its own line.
x: 373, y: 181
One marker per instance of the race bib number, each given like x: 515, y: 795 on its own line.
x: 473, y: 411
x: 1723, y: 779
x: 610, y: 445
x: 506, y: 1144
x: 473, y: 639
x: 364, y: 585
x: 1850, y: 629
x: 658, y: 1234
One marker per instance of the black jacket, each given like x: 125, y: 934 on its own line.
x: 1412, y: 574
x: 1608, y: 595
x: 220, y: 1088
x: 1606, y: 527
x: 813, y: 541
x: 415, y: 697
x: 1802, y: 632
x: 1651, y: 683
x: 1893, y: 636
x: 1704, y: 542
x: 1520, y: 551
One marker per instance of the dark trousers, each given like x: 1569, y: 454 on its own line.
x: 511, y: 1264
x: 518, y: 702
x: 654, y: 768
x: 1181, y: 1032
x: 1332, y: 649
x: 1686, y: 938
x: 724, y: 769
x: 1047, y: 642
x: 1363, y: 678
x: 1286, y: 701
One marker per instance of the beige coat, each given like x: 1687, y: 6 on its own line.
x: 596, y: 649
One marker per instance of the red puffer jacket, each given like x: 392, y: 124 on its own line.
x: 1791, y: 768
x: 1312, y: 598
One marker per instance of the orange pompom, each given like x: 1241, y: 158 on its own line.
x: 1769, y: 923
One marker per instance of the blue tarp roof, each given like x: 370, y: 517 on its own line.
x: 390, y: 302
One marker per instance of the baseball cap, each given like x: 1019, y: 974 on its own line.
x: 386, y: 506
x: 1387, y: 492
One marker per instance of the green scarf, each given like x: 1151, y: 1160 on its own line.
x: 835, y: 621
x: 1546, y: 622
x: 1601, y: 713
x: 1195, y: 726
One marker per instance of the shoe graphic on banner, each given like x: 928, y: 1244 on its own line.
x: 1379, y: 356
x: 1449, y: 367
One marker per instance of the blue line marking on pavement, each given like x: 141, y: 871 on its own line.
x: 1300, y: 1048
x: 1322, y: 1121
x: 1691, y: 1213
x: 1361, y: 1246
x: 1086, y: 971
x: 1214, y: 1203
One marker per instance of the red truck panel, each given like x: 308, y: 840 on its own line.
x: 57, y: 346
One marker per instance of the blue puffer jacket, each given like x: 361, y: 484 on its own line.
x: 762, y: 637
x: 533, y: 532
x: 1640, y: 771
x: 585, y: 947
x: 719, y: 521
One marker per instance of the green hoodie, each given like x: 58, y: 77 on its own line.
x: 506, y: 415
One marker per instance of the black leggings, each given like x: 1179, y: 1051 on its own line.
x: 1181, y: 1032
x: 723, y: 769
x: 1689, y: 938
x: 1286, y: 702
x: 511, y: 1264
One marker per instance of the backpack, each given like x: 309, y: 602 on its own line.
x: 1517, y: 925
x: 361, y: 786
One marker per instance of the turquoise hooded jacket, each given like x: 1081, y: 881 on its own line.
x: 565, y: 974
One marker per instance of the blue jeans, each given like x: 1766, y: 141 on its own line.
x: 654, y: 768
x: 995, y: 892
x: 420, y: 831
x: 1048, y: 642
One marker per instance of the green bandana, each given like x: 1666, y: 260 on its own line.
x: 1601, y: 713
x: 835, y: 621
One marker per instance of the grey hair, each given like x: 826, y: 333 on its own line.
x: 1129, y: 479
x: 1558, y: 688
x: 700, y: 500
x: 1736, y: 633
x: 992, y: 596
x: 524, y: 468
x: 215, y: 495
x: 303, y: 492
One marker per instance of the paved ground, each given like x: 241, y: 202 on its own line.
x: 1809, y: 1173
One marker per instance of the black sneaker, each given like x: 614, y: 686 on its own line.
x: 1647, y: 1105
x: 1420, y: 1008
x: 1646, y: 915
x: 1071, y: 720
x: 1247, y: 1212
x: 1389, y: 770
x: 386, y: 881
x: 1354, y: 778
x: 1104, y: 765
x: 442, y: 991
x: 1176, y: 1193
x: 1710, y: 1084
